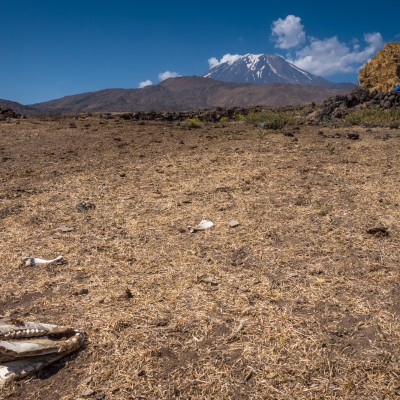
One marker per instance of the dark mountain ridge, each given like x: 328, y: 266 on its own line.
x: 17, y: 107
x: 187, y: 93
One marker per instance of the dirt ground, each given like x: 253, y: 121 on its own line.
x: 297, y: 302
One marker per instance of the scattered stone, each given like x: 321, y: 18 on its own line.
x: 65, y: 229
x: 207, y: 279
x: 353, y: 136
x: 85, y: 206
x: 128, y: 293
x: 7, y: 113
x: 213, y: 115
x: 72, y: 125
x: 337, y: 107
x: 81, y: 292
x: 87, y: 380
x: 88, y: 392
x: 289, y: 134
x: 233, y: 223
x: 248, y: 376
x: 379, y: 231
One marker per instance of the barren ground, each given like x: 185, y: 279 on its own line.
x: 297, y: 302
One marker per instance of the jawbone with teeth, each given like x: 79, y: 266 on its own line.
x: 27, y: 347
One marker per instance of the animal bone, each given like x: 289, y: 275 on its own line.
x: 31, y: 261
x: 203, y: 225
x: 27, y: 347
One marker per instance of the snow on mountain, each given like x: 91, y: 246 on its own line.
x: 263, y: 68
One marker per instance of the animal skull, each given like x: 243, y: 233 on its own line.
x: 27, y: 347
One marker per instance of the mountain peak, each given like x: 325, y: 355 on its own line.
x: 262, y: 68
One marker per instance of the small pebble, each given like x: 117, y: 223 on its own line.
x: 88, y: 392
x: 128, y: 293
x: 353, y: 135
x: 66, y: 229
x: 378, y: 231
x: 233, y: 223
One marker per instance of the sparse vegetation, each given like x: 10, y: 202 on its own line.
x: 224, y: 119
x: 371, y: 116
x: 240, y: 117
x: 192, y: 123
x: 260, y: 133
x: 268, y: 119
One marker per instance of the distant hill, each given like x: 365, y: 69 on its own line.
x: 268, y: 68
x: 17, y: 107
x: 187, y: 93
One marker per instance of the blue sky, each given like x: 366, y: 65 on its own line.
x: 51, y: 49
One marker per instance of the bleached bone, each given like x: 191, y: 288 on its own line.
x: 203, y: 225
x: 31, y: 261
x: 27, y: 347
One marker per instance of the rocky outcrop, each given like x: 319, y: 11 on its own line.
x: 213, y: 115
x: 7, y: 113
x: 17, y: 107
x: 339, y: 106
x: 382, y: 72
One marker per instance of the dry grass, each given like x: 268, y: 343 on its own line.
x: 371, y: 116
x: 298, y: 302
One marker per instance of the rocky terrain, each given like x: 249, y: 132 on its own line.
x: 382, y: 72
x: 17, y: 107
x: 7, y: 114
x: 180, y: 94
x: 339, y: 106
x: 293, y: 293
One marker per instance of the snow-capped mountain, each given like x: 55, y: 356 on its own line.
x: 263, y: 68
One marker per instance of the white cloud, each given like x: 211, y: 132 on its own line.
x: 145, y: 83
x: 322, y: 57
x: 162, y: 76
x: 229, y: 58
x: 288, y: 33
x: 328, y: 57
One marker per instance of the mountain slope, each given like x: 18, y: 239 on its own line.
x: 188, y: 93
x: 266, y: 68
x: 17, y: 107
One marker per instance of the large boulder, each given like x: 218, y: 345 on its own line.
x: 382, y: 72
x: 7, y: 113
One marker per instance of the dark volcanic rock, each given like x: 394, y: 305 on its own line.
x: 85, y: 206
x: 212, y: 115
x: 6, y: 113
x: 338, y: 106
x: 353, y: 135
